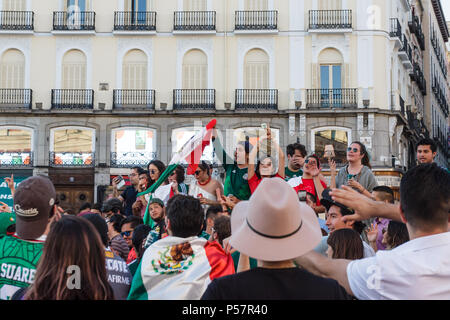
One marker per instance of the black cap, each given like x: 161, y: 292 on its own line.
x: 327, y: 202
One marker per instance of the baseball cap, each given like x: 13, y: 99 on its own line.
x: 7, y: 219
x: 158, y: 201
x: 327, y: 202
x: 33, y: 203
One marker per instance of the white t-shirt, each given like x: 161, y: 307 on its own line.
x: 418, y: 269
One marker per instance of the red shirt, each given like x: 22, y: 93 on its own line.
x: 308, y: 186
x: 254, y: 182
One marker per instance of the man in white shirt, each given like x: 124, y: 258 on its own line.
x: 418, y: 269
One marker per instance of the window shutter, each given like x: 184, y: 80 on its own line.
x: 134, y: 74
x: 195, y: 70
x: 194, y: 5
x: 256, y: 70
x: 14, y: 5
x: 12, y: 69
x: 314, y: 73
x: 255, y: 5
x: 74, y: 70
x: 346, y: 77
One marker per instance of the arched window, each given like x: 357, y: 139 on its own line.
x: 12, y: 69
x: 72, y: 146
x: 181, y: 135
x: 74, y: 70
x: 134, y: 75
x: 15, y: 146
x: 194, y: 5
x: 340, y: 138
x: 195, y: 70
x: 14, y: 5
x: 255, y: 5
x: 133, y: 147
x: 256, y: 70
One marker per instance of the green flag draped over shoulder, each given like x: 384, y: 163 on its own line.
x: 191, y: 152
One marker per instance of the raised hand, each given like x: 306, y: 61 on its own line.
x: 372, y: 232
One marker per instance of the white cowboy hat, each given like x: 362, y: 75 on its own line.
x: 274, y: 225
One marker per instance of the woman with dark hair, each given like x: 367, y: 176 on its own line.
x: 155, y: 169
x: 204, y: 187
x: 395, y: 235
x: 177, y: 180
x: 357, y: 173
x: 140, y: 205
x: 265, y: 166
x: 345, y: 244
x: 72, y: 241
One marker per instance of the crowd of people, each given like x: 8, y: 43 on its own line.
x: 258, y: 235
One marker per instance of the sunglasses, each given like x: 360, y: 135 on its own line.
x: 354, y: 149
x: 126, y: 233
x: 153, y: 171
x: 351, y: 176
x: 309, y: 161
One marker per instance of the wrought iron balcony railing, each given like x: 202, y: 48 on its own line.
x: 74, y: 20
x: 194, y: 21
x: 16, y: 98
x: 131, y: 159
x: 194, y: 99
x: 332, y: 98
x: 16, y: 159
x: 402, y: 106
x: 72, y: 159
x: 330, y: 19
x: 396, y: 28
x: 256, y: 20
x: 135, y: 21
x: 16, y: 20
x: 72, y: 99
x: 406, y: 49
x: 419, y: 78
x: 134, y: 99
x: 256, y: 99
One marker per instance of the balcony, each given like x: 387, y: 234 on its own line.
x: 16, y: 98
x: 73, y: 99
x: 194, y: 99
x: 332, y: 98
x: 17, y: 20
x: 72, y: 159
x: 402, y: 106
x: 330, y: 20
x: 416, y: 28
x: 16, y: 160
x: 256, y: 99
x: 194, y: 21
x: 256, y: 21
x: 74, y: 21
x: 418, y: 77
x: 134, y: 99
x: 395, y: 31
x: 135, y: 21
x: 405, y: 54
x: 131, y: 159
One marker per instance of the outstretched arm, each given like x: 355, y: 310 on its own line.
x: 365, y: 208
x: 325, y: 267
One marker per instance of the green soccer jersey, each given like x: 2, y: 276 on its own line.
x: 236, y: 180
x: 292, y: 174
x: 18, y: 261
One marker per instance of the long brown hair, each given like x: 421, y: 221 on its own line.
x: 362, y: 150
x: 346, y: 244
x: 72, y: 241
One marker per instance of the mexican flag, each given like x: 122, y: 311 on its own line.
x: 179, y: 269
x: 191, y: 152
